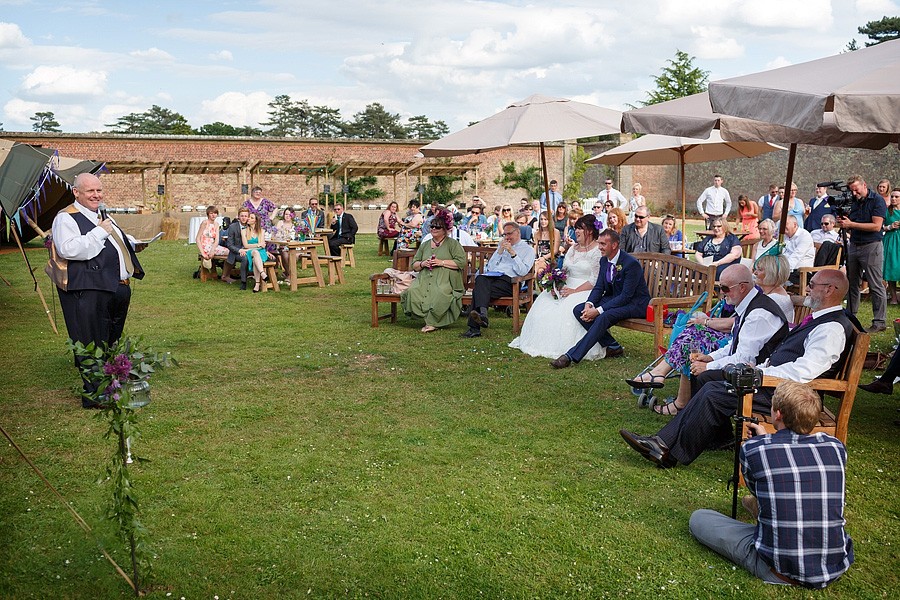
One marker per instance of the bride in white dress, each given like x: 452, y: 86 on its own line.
x: 551, y: 329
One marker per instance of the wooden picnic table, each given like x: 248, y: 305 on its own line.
x: 296, y: 250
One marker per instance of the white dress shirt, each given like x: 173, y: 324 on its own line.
x: 821, y: 349
x: 714, y: 201
x: 799, y: 249
x: 820, y: 235
x: 71, y: 245
x: 457, y: 234
x: 757, y: 329
x: 615, y: 196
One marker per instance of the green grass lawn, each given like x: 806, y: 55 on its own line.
x: 298, y: 452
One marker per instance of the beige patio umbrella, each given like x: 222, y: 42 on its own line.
x: 693, y: 116
x: 536, y: 119
x: 678, y: 150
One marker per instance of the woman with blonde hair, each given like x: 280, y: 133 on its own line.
x: 637, y: 201
x: 254, y: 243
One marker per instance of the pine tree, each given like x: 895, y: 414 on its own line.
x: 45, y: 122
x: 679, y: 79
x: 886, y: 29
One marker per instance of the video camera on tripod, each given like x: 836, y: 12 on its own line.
x: 740, y: 379
x: 843, y: 197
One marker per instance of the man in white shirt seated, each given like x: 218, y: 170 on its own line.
x: 827, y: 233
x: 798, y: 247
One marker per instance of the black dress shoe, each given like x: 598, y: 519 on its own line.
x: 243, y: 285
x: 615, y: 352
x: 650, y: 447
x: 478, y: 318
x: 878, y: 387
x: 471, y: 332
x: 562, y: 362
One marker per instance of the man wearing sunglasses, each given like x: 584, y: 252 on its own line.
x: 644, y: 236
x: 812, y: 349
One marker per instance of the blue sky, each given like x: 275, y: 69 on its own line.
x: 91, y: 62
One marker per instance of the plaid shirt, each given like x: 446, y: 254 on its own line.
x: 799, y: 483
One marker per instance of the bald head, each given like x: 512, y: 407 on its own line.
x: 738, y: 281
x: 88, y: 191
x: 826, y: 289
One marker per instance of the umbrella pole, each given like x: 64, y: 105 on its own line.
x: 37, y: 288
x: 683, y: 200
x: 786, y: 201
x: 553, y: 243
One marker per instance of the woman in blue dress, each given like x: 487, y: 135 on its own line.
x: 254, y: 243
x: 721, y: 248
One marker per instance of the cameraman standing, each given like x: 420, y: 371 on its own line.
x: 865, y: 251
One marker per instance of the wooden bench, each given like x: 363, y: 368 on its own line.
x: 347, y: 255
x: 335, y: 265
x: 217, y: 261
x: 674, y: 283
x: 271, y: 281
x: 476, y: 259
x: 842, y: 386
x: 384, y: 247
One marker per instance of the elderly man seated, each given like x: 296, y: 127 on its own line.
x: 827, y: 233
x: 798, y: 248
x: 644, y: 236
x: 813, y: 349
x: 513, y: 258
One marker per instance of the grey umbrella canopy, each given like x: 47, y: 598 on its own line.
x: 678, y: 150
x: 859, y: 89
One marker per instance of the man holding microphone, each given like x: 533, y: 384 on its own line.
x: 513, y: 258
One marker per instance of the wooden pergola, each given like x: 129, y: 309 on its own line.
x: 358, y: 168
x: 444, y: 168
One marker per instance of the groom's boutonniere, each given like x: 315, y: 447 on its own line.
x: 618, y: 269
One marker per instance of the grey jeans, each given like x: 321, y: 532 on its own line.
x: 733, y: 540
x: 871, y: 258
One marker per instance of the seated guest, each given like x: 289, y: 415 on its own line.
x: 616, y: 219
x: 314, y: 215
x: 436, y: 294
x: 798, y: 245
x: 475, y: 221
x: 344, y: 227
x: 767, y: 238
x: 620, y: 293
x: 719, y: 249
x: 512, y: 258
x: 674, y: 235
x: 254, y: 245
x: 529, y: 214
x: 560, y: 220
x: 707, y: 336
x: 826, y: 233
x: 600, y: 215
x: 798, y: 482
x: 389, y: 222
x: 811, y: 350
x: 525, y: 229
x: 208, y: 238
x: 644, y: 236
x: 236, y: 250
x: 286, y: 229
x: 456, y: 233
x: 544, y: 253
x: 550, y: 328
x: 568, y: 237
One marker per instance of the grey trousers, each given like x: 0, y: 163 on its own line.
x: 733, y: 540
x: 871, y: 258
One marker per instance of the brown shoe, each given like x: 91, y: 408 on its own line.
x: 615, y: 352
x: 878, y: 387
x: 562, y: 362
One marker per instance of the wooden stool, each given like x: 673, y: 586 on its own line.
x: 335, y: 268
x: 384, y: 249
x: 271, y: 282
x: 347, y: 254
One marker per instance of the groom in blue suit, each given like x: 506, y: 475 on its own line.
x: 620, y: 293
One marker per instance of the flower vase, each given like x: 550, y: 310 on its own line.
x: 138, y: 393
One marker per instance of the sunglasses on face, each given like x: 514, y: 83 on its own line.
x: 639, y: 217
x: 727, y: 288
x: 436, y: 226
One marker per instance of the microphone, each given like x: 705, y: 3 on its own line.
x: 102, y: 210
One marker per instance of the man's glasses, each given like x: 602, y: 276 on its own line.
x: 727, y: 288
x: 476, y: 213
x: 814, y: 284
x: 639, y: 217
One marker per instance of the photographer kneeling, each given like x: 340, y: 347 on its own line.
x: 799, y: 538
x: 865, y: 251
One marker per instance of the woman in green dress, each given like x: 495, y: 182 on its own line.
x: 436, y: 294
x: 892, y: 245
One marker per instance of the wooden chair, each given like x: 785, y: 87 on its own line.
x: 842, y: 387
x: 477, y: 258
x: 335, y: 265
x: 806, y: 273
x: 402, y: 259
x: 347, y: 255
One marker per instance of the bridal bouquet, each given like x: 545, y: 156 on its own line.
x: 553, y: 279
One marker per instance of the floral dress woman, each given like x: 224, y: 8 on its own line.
x: 263, y: 210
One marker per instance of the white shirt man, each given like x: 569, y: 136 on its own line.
x: 798, y: 247
x: 827, y: 233
x: 613, y: 195
x: 715, y: 201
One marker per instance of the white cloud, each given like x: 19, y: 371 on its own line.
x: 777, y: 63
x: 876, y: 7
x: 19, y: 111
x: 63, y: 82
x: 714, y: 43
x: 11, y: 36
x: 222, y: 55
x: 152, y: 54
x: 814, y: 15
x: 236, y: 108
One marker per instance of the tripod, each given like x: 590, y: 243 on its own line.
x: 741, y: 380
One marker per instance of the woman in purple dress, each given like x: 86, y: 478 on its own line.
x: 263, y: 208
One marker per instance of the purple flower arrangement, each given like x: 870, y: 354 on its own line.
x: 553, y: 279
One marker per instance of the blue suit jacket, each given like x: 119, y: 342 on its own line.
x: 628, y: 288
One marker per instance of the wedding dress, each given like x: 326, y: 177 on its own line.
x: 551, y: 329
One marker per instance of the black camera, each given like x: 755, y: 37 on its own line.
x: 742, y: 378
x: 843, y: 197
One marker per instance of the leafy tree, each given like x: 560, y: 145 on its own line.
x: 528, y: 179
x: 572, y: 191
x: 420, y: 128
x: 439, y: 188
x: 884, y: 30
x: 376, y: 123
x: 220, y: 128
x: 325, y: 122
x: 359, y: 188
x: 677, y: 80
x: 156, y: 120
x: 282, y: 118
x: 45, y: 122
x: 851, y: 46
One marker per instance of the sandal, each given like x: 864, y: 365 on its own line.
x: 669, y: 409
x: 643, y: 384
x: 428, y: 329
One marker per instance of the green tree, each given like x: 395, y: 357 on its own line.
x: 528, y: 179
x: 439, y: 188
x: 420, y: 128
x: 45, y: 122
x: 883, y: 30
x: 376, y: 123
x: 572, y: 191
x: 156, y: 120
x: 325, y: 122
x: 360, y: 188
x: 220, y: 128
x: 282, y: 118
x: 677, y: 80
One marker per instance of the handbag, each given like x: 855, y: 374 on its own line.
x: 58, y: 269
